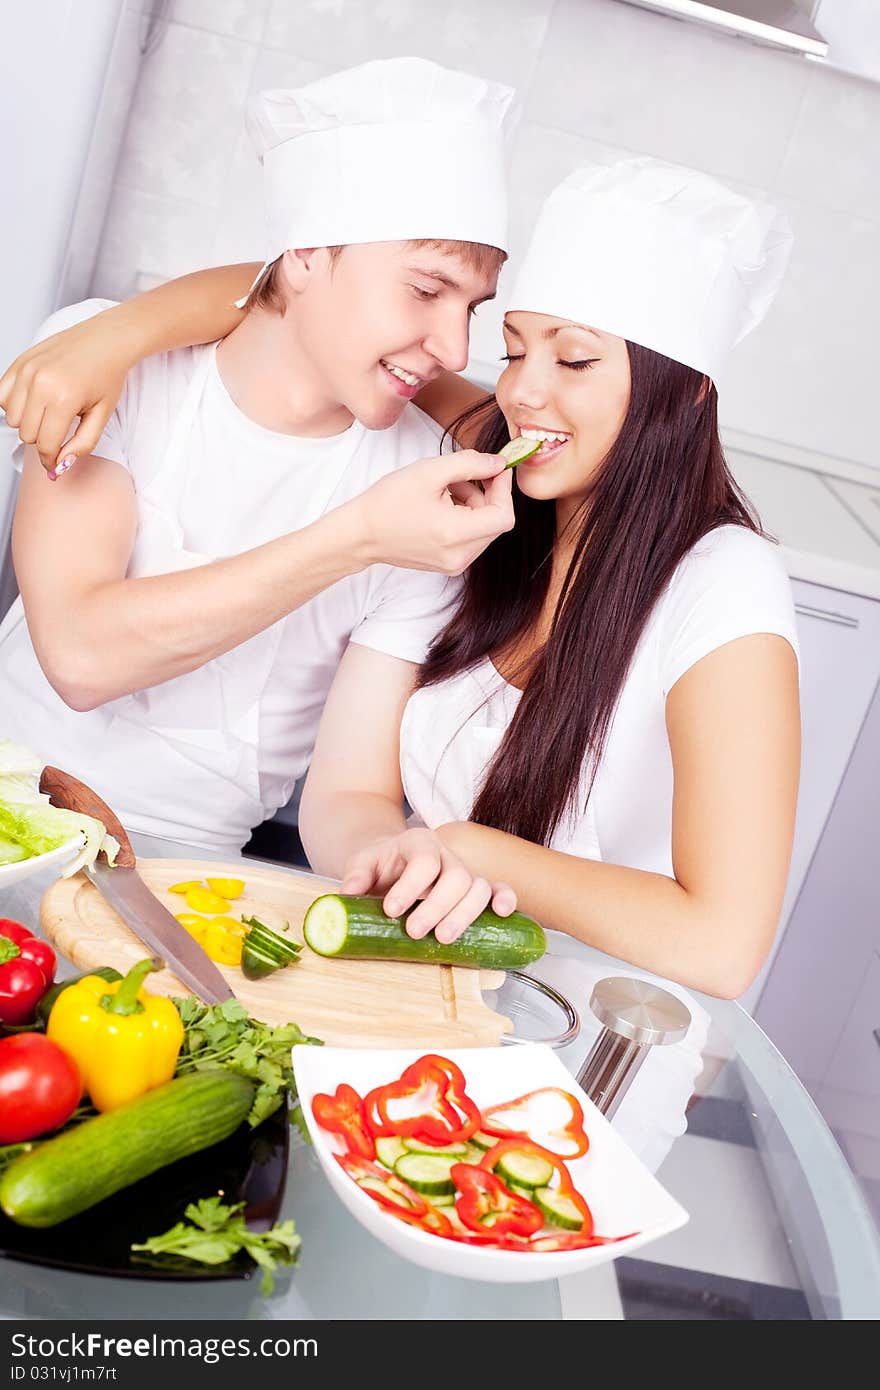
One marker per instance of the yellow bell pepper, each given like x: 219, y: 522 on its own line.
x: 221, y: 938
x: 123, y: 1040
x: 185, y: 887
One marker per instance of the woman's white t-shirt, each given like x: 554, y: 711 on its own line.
x: 241, y: 485
x: 731, y: 584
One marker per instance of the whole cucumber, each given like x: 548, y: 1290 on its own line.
x: 81, y: 1166
x: 356, y: 928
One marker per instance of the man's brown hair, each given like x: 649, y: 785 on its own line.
x: 267, y: 293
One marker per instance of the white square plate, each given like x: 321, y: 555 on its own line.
x: 620, y: 1191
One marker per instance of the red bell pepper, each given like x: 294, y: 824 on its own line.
x: 550, y: 1116
x: 565, y: 1185
x: 433, y: 1090
x: 27, y: 969
x: 344, y: 1114
x: 484, y: 1202
x: 573, y: 1240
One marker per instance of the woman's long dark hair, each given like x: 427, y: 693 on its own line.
x: 662, y: 486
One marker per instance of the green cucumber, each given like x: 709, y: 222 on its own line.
x: 484, y: 1141
x: 265, y: 950
x: 357, y: 928
x: 44, y: 1008
x: 524, y: 1168
x: 558, y: 1210
x: 426, y: 1173
x: 519, y: 449
x: 81, y: 1166
x: 388, y: 1151
x: 443, y: 1199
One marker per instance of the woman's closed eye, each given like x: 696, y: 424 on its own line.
x: 575, y: 366
x: 424, y: 294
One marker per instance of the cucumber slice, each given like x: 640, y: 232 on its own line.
x: 427, y: 1173
x: 377, y: 1185
x: 355, y: 928
x: 388, y: 1151
x: 473, y: 1155
x: 528, y: 1170
x: 518, y: 449
x: 484, y: 1141
x: 443, y: 1199
x: 558, y: 1210
x: 458, y: 1152
x: 527, y: 1192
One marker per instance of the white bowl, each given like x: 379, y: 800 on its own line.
x: 620, y: 1191
x: 54, y: 858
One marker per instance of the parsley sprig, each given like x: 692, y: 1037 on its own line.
x: 215, y: 1232
x: 224, y: 1035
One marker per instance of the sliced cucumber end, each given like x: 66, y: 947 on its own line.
x: 325, y: 926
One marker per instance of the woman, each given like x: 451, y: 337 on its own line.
x: 609, y: 723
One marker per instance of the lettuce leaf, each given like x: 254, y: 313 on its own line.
x: 31, y: 825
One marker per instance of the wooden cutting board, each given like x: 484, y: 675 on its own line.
x: 347, y: 1003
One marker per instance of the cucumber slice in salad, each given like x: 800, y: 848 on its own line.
x: 458, y: 1152
x: 525, y: 1169
x: 388, y: 1151
x: 558, y: 1210
x: 426, y: 1173
x: 518, y: 449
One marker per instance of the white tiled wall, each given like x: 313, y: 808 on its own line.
x: 599, y: 81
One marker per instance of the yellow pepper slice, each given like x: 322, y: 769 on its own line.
x: 231, y: 888
x: 221, y: 945
x: 196, y: 926
x: 185, y: 887
x: 203, y: 900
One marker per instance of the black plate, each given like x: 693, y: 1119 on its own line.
x: 250, y: 1166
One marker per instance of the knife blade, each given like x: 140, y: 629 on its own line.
x: 128, y: 895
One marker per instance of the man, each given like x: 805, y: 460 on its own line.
x: 247, y: 521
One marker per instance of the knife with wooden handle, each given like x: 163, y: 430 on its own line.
x: 127, y: 894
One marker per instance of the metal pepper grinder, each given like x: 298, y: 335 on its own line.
x: 636, y: 1016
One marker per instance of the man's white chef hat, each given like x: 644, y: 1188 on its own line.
x: 393, y: 150
x: 659, y: 254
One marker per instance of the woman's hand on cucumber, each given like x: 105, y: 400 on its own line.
x: 415, y: 867
x: 79, y: 372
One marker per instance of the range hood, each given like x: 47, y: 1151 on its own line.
x: 779, y: 23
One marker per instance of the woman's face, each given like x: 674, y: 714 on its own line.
x: 563, y: 379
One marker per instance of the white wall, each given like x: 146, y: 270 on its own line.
x: 599, y: 81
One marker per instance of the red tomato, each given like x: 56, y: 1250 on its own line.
x: 32, y: 947
x: 40, y: 1087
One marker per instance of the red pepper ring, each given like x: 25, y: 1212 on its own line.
x: 452, y: 1117
x: 484, y: 1203
x: 566, y: 1186
x: 572, y: 1130
x: 573, y: 1240
x: 343, y: 1114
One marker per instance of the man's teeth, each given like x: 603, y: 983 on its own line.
x: 546, y: 436
x: 406, y: 377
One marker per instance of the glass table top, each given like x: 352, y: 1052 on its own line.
x: 778, y: 1226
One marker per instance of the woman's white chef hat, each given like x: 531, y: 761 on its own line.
x: 659, y: 254
x: 394, y: 150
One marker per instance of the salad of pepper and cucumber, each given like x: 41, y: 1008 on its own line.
x: 422, y: 1149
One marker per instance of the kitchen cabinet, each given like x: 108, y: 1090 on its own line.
x: 821, y: 1001
x: 839, y: 636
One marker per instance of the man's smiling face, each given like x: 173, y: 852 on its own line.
x: 382, y: 319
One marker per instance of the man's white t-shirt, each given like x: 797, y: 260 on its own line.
x: 243, y: 486
x: 730, y: 585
